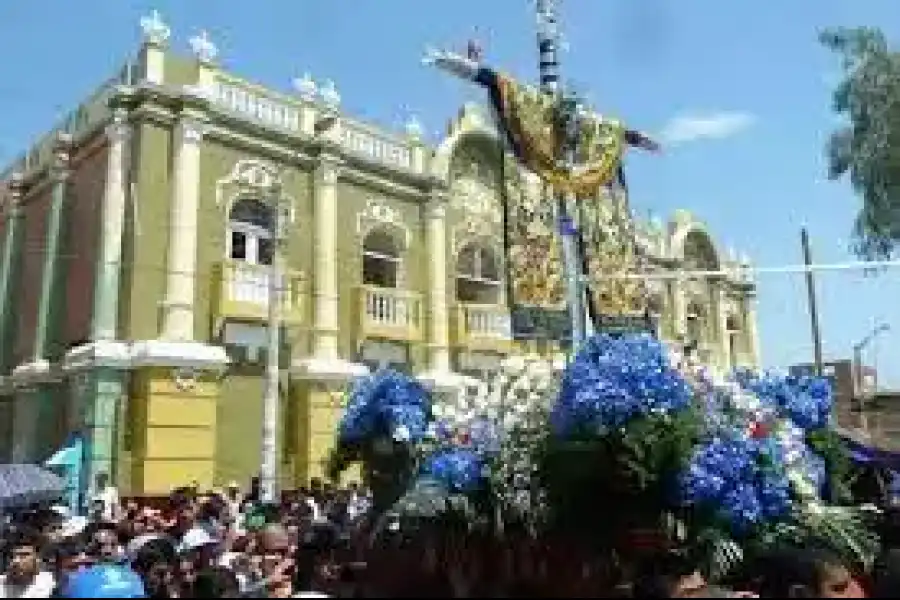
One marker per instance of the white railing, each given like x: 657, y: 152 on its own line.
x: 375, y: 145
x: 486, y: 321
x: 390, y: 308
x: 248, y: 285
x: 257, y: 104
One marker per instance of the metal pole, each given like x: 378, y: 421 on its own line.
x: 857, y: 373
x: 548, y: 41
x: 812, y: 302
x: 268, y: 473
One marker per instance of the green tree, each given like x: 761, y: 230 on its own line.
x: 866, y: 148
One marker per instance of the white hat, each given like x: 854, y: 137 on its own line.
x: 73, y: 526
x: 194, y: 539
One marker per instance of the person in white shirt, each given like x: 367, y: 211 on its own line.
x: 106, y: 498
x: 24, y: 577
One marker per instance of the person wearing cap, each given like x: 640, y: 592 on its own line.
x: 103, y: 581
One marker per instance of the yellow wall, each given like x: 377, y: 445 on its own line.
x: 174, y: 432
x: 146, y: 241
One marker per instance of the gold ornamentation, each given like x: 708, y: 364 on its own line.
x: 528, y: 116
x: 535, y: 252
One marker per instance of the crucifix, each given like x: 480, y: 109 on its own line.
x: 551, y: 132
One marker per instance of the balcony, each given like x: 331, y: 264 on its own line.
x: 242, y: 293
x: 483, y: 327
x: 390, y: 313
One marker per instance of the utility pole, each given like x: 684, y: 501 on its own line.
x: 567, y: 125
x: 268, y: 473
x: 812, y: 301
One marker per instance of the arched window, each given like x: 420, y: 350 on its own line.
x: 251, y: 227
x: 381, y: 259
x: 477, y: 275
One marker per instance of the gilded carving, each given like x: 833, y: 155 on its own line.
x: 535, y: 252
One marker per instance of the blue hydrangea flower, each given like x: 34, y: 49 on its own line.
x: 459, y: 470
x: 614, y: 379
x: 807, y: 401
x: 386, y: 403
x: 739, y: 479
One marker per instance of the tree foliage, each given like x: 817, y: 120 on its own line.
x: 867, y: 148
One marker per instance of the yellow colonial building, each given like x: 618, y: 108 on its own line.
x: 139, y: 236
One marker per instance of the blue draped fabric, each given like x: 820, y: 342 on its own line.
x: 869, y: 455
x: 68, y: 462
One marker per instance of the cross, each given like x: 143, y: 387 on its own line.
x: 474, y: 49
x: 203, y: 47
x: 154, y: 29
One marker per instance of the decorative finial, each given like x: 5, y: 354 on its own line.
x: 474, y: 48
x: 203, y: 47
x: 306, y: 87
x: 329, y: 95
x: 154, y: 29
x: 414, y: 128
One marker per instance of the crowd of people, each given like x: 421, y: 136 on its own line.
x: 321, y: 542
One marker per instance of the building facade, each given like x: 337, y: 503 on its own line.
x: 138, y: 237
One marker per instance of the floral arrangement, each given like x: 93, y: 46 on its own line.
x: 627, y: 429
x: 386, y: 416
x: 764, y: 467
x: 622, y: 428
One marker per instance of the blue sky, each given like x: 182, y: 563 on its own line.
x: 746, y: 81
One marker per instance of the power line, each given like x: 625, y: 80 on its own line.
x: 746, y: 272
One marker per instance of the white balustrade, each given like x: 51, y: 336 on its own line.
x: 378, y: 147
x: 390, y: 308
x: 256, y: 104
x: 248, y: 285
x: 486, y: 322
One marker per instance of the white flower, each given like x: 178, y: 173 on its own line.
x: 803, y: 486
x: 402, y: 434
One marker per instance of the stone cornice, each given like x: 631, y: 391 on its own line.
x: 384, y: 185
x: 272, y: 149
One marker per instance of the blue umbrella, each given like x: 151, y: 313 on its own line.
x: 22, y: 485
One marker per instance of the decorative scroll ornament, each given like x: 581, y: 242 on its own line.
x: 185, y: 379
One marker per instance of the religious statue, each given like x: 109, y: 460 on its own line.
x: 529, y: 120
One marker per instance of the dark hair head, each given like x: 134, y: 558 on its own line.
x: 216, y: 582
x: 792, y: 572
x: 657, y: 574
x: 26, y: 537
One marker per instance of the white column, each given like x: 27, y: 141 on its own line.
x: 436, y: 240
x: 751, y: 341
x: 178, y: 306
x: 679, y: 309
x: 720, y: 294
x: 325, y: 347
x: 106, y: 294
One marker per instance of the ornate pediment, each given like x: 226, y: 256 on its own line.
x: 253, y: 178
x: 379, y: 213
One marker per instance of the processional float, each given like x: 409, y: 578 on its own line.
x: 576, y: 153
